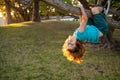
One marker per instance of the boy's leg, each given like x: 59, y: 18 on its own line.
x: 96, y: 10
x: 90, y: 21
x: 99, y: 19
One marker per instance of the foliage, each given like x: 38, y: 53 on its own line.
x: 2, y: 7
x: 115, y: 4
x: 47, y: 10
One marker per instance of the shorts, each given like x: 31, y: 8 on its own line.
x: 99, y: 21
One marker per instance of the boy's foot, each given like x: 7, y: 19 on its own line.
x: 105, y: 11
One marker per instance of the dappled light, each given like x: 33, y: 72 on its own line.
x: 22, y: 24
x: 2, y: 20
x: 1, y: 14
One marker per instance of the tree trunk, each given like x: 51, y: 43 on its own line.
x: 8, y: 11
x: 25, y: 15
x: 36, y: 15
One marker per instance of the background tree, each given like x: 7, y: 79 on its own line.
x: 36, y: 16
x: 115, y: 4
x: 25, y: 12
x: 8, y: 11
x: 18, y: 11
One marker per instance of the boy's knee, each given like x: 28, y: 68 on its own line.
x: 96, y: 10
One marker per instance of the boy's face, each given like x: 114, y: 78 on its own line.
x: 71, y: 43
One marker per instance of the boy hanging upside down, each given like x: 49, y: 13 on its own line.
x: 90, y: 30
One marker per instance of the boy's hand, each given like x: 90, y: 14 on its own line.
x: 80, y: 5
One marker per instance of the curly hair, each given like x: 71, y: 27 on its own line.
x: 75, y: 55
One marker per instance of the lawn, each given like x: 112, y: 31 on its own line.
x: 32, y: 51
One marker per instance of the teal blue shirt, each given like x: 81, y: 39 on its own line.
x: 90, y: 34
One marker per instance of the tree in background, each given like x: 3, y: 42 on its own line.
x: 36, y: 15
x: 15, y: 11
x: 115, y: 4
x: 8, y: 12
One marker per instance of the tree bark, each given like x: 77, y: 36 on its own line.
x: 36, y: 15
x: 69, y: 8
x: 8, y: 11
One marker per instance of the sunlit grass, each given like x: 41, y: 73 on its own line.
x: 22, y: 24
x: 32, y: 51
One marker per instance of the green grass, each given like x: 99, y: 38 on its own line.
x: 32, y: 51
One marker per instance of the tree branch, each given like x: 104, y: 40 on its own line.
x: 69, y: 8
x: 72, y: 9
x: 114, y: 12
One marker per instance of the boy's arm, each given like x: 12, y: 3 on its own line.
x: 83, y: 19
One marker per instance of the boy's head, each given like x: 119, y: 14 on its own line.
x: 73, y: 50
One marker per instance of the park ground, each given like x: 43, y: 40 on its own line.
x: 32, y: 51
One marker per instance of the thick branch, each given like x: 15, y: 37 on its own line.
x: 114, y: 12
x: 71, y: 9
x: 66, y: 7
